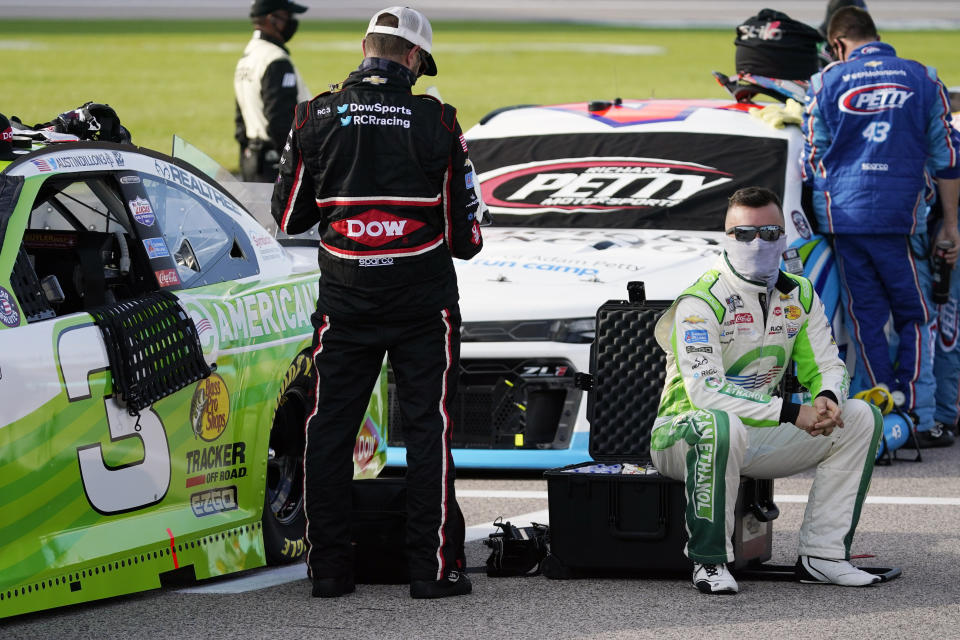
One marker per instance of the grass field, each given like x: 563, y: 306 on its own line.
x: 166, y: 77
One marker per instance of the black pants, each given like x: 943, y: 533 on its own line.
x: 425, y: 356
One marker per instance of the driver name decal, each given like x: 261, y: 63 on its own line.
x: 597, y: 184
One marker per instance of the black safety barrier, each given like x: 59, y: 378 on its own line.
x: 153, y: 348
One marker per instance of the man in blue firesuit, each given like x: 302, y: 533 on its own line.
x: 877, y: 128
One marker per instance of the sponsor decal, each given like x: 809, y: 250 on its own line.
x: 469, y: 179
x: 375, y: 80
x: 874, y: 166
x: 156, y: 248
x: 735, y: 391
x: 384, y: 115
x: 801, y: 224
x: 876, y: 73
x: 793, y: 312
x: 8, y: 134
x: 189, y: 181
x: 873, y: 63
x: 785, y: 296
x: 703, y: 488
x: 775, y: 330
x: 700, y: 349
x: 322, y: 112
x: 777, y: 311
x: 374, y: 228
x: 289, y: 80
x: 216, y: 463
x: 874, y: 98
x: 792, y: 329
x: 167, y: 277
x: 746, y: 331
x: 544, y: 371
x: 597, y: 184
x: 212, y: 501
x: 698, y: 362
x: 475, y: 236
x: 129, y: 179
x: 742, y: 318
x: 696, y: 335
x: 734, y: 302
x: 367, y: 445
x: 9, y: 314
x: 210, y: 408
x: 375, y: 262
x: 948, y: 323
x: 694, y: 320
x: 705, y: 372
x: 253, y: 318
x: 49, y: 240
x: 142, y: 211
x: 766, y: 31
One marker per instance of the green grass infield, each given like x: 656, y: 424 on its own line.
x: 176, y: 77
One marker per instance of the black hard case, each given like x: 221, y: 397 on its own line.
x: 602, y: 523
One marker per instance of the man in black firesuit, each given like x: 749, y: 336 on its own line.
x: 267, y: 88
x: 385, y: 174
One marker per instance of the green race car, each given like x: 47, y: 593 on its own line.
x: 155, y: 376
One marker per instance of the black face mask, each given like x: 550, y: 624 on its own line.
x: 289, y: 29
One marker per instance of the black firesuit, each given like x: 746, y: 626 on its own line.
x: 386, y: 175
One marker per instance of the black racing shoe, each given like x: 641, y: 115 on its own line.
x: 332, y: 587
x: 455, y: 584
x: 938, y: 436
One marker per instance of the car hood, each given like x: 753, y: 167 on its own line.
x: 527, y: 273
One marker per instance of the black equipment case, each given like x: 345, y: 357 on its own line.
x: 604, y: 522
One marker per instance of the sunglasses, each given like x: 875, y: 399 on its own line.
x: 746, y: 233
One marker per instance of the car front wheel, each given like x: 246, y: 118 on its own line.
x: 284, y: 521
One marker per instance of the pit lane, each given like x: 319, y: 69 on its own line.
x: 911, y: 520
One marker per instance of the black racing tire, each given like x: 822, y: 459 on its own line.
x: 284, y: 521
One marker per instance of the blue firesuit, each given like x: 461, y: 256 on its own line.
x: 946, y: 360
x: 876, y: 128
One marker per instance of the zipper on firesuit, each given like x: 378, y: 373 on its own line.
x: 763, y: 307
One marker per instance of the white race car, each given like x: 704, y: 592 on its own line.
x: 585, y: 198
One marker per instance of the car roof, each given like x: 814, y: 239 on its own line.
x: 654, y: 114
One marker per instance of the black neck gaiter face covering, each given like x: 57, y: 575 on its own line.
x: 289, y: 29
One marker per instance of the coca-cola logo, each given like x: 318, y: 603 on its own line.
x: 874, y: 98
x: 375, y: 228
x: 596, y: 184
x: 167, y: 277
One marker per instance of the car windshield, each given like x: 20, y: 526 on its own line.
x: 635, y: 180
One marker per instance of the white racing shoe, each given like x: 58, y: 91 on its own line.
x: 714, y: 578
x: 813, y: 570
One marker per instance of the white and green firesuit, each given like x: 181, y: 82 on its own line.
x: 728, y: 342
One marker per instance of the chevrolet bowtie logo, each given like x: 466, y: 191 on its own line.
x: 375, y: 80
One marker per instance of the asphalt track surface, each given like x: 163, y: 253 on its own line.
x: 911, y: 520
x: 889, y: 14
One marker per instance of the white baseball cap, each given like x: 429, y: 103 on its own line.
x: 413, y: 27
